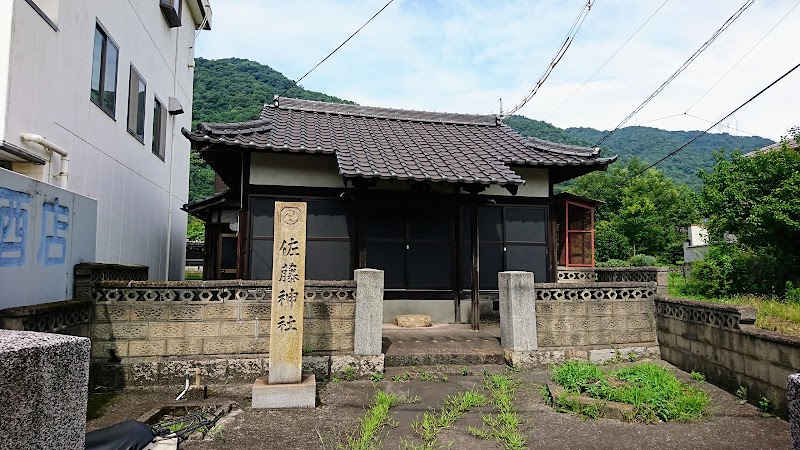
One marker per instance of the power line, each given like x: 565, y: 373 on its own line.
x: 608, y: 60
x: 743, y: 57
x: 660, y: 118
x: 726, y: 126
x: 576, y: 25
x: 683, y: 67
x: 670, y: 154
x: 337, y: 48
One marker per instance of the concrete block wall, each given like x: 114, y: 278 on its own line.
x: 150, y: 332
x: 595, y: 315
x: 720, y: 341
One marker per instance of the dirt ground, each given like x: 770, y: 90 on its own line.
x: 340, y: 404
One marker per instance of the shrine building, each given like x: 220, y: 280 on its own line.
x: 440, y: 202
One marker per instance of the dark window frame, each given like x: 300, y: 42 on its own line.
x: 407, y: 241
x: 107, y: 39
x: 171, y: 14
x: 159, y: 141
x: 140, y: 108
x: 42, y: 14
x: 350, y: 217
x: 504, y: 242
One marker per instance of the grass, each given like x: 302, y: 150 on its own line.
x: 503, y: 427
x: 454, y: 408
x: 774, y: 314
x: 371, y: 426
x: 655, y: 393
x: 97, y: 403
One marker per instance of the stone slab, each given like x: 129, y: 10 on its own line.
x: 793, y: 398
x: 283, y: 396
x: 44, y: 380
x: 517, y: 311
x: 288, y: 293
x: 367, y: 338
x: 413, y: 320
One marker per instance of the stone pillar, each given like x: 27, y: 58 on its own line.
x: 517, y: 312
x: 662, y: 280
x: 44, y: 383
x: 793, y: 399
x: 369, y: 312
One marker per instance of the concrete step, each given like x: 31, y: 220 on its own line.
x: 414, y: 372
x: 475, y: 358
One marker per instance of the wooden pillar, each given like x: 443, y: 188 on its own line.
x: 476, y: 307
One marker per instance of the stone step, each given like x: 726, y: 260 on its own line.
x: 444, y: 359
x: 449, y: 370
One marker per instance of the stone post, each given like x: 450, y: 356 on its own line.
x: 517, y: 312
x: 793, y: 399
x: 44, y: 381
x: 662, y: 281
x: 369, y: 312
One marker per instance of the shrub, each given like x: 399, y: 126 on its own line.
x: 730, y: 269
x: 613, y: 263
x: 641, y: 260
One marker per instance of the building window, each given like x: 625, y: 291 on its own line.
x: 329, y: 251
x: 104, y: 71
x: 509, y: 238
x: 413, y: 246
x: 172, y: 12
x: 137, y: 95
x: 159, y: 129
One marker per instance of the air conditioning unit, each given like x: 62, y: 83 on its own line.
x: 172, y: 12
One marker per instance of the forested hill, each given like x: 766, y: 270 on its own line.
x: 234, y: 90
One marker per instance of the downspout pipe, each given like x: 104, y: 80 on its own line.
x: 63, y: 176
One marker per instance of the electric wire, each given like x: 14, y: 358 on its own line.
x: 683, y: 67
x: 607, y: 61
x: 336, y: 49
x: 573, y: 31
x: 672, y: 153
x: 743, y: 57
x: 725, y: 126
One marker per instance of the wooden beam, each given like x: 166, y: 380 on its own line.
x: 476, y: 306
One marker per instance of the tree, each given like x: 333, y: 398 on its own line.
x: 646, y: 214
x: 757, y: 199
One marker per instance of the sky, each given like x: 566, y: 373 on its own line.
x: 464, y: 56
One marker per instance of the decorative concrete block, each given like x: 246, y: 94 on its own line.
x: 260, y: 345
x: 517, y: 311
x: 147, y: 348
x: 166, y: 330
x: 220, y: 346
x: 44, y: 381
x: 202, y: 329
x: 180, y: 312
x: 222, y: 312
x: 148, y: 313
x: 293, y: 395
x: 793, y: 399
x: 238, y: 329
x: 368, y: 334
x: 184, y: 347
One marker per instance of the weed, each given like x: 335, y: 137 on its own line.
x: 766, y: 405
x: 308, y: 350
x: 376, y: 377
x: 697, y: 376
x: 742, y: 393
x: 504, y: 428
x: 349, y: 373
x: 427, y: 375
x: 403, y: 377
x: 371, y: 426
x: 464, y: 371
x: 655, y: 393
x: 335, y: 379
x: 454, y: 407
x: 631, y: 356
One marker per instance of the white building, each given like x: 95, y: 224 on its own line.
x: 108, y: 83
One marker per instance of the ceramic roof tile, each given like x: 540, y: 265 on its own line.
x: 397, y: 144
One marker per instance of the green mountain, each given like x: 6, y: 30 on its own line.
x: 234, y: 90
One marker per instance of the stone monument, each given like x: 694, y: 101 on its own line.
x: 285, y: 386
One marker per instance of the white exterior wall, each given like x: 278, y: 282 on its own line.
x: 139, y: 195
x: 5, y: 53
x: 281, y: 169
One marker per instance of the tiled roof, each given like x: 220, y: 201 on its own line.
x: 772, y: 147
x: 387, y: 143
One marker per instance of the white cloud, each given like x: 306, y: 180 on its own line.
x: 463, y: 55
